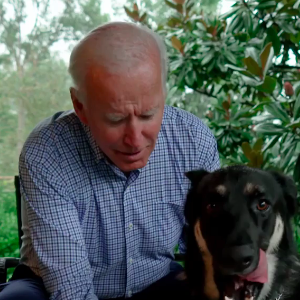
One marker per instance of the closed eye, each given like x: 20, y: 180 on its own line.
x: 147, y: 117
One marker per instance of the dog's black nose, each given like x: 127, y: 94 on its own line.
x: 239, y: 258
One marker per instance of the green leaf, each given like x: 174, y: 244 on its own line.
x: 267, y: 4
x: 132, y: 14
x: 296, y: 113
x: 296, y: 174
x: 247, y: 150
x: 190, y: 78
x: 278, y: 112
x: 287, y: 158
x: 266, y: 57
x: 253, y: 66
x: 272, y: 36
x: 230, y: 13
x: 171, y: 4
x: 143, y: 17
x: 207, y: 58
x: 230, y: 57
x: 295, y: 38
x: 288, y: 28
x: 258, y: 145
x: 268, y: 86
x: 271, y: 142
x: 269, y: 129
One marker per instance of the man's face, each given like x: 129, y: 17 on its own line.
x: 124, y: 113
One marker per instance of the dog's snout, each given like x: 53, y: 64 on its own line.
x: 239, y: 257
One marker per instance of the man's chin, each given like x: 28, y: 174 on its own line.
x: 128, y: 167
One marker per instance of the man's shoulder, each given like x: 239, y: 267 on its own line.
x: 48, y: 134
x: 186, y: 123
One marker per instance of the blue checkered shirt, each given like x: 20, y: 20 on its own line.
x: 91, y: 232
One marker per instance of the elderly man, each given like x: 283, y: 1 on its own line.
x: 104, y: 186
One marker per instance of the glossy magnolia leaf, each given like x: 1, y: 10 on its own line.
x: 269, y: 129
x: 247, y: 149
x: 132, y: 14
x: 179, y: 1
x: 230, y: 13
x: 251, y: 81
x: 266, y: 58
x: 179, y: 8
x: 190, y: 77
x: 296, y: 174
x: 235, y: 68
x: 171, y: 4
x: 266, y: 5
x: 268, y: 86
x: 252, y: 66
x: 230, y: 57
x: 208, y: 57
x: 272, y: 36
x: 288, y: 157
x: 288, y: 28
x: 135, y: 7
x: 226, y: 105
x: 271, y: 142
x: 278, y: 112
x: 296, y: 112
x: 176, y: 43
x: 235, y: 22
x: 143, y: 17
x: 258, y: 145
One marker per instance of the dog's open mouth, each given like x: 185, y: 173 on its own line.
x: 244, y: 286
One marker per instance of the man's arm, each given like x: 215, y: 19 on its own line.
x: 55, y: 231
x: 212, y: 161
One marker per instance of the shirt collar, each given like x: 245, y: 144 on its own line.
x: 93, y: 144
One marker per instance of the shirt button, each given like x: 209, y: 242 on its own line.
x: 130, y: 260
x: 130, y: 225
x: 129, y: 293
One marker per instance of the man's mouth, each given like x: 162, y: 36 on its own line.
x: 130, y: 156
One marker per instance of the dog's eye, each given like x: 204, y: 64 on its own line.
x: 262, y: 205
x: 211, y: 207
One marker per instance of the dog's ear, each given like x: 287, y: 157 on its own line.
x: 195, y: 176
x: 192, y: 204
x: 289, y: 189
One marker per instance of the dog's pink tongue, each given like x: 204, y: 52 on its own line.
x: 260, y: 274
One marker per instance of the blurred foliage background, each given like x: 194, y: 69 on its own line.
x: 239, y: 72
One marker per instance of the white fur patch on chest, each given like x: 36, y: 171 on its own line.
x: 271, y: 256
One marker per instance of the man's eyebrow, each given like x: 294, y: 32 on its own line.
x: 119, y: 116
x: 115, y: 116
x: 150, y: 111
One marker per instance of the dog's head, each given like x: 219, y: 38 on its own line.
x: 240, y: 213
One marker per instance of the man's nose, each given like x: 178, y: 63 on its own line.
x: 133, y: 135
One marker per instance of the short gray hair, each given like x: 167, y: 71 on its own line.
x: 124, y: 55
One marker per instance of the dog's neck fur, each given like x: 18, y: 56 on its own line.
x: 274, y: 289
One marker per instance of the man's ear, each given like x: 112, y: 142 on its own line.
x: 192, y: 205
x: 78, y: 106
x: 289, y: 189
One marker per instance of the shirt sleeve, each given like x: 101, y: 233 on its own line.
x: 55, y: 231
x: 212, y: 161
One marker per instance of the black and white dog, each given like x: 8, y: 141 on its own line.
x: 240, y: 241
